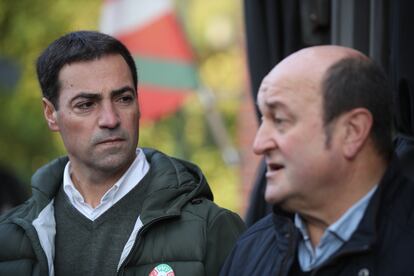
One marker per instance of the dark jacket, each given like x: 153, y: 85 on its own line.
x: 182, y: 227
x: 383, y: 243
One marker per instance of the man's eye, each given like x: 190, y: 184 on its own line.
x: 125, y: 99
x: 84, y: 105
x: 279, y: 120
x: 281, y: 123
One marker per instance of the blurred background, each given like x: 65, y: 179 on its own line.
x: 201, y: 110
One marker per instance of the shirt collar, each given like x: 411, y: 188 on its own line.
x: 346, y: 224
x: 127, y: 181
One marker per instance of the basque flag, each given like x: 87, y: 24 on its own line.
x: 165, y: 62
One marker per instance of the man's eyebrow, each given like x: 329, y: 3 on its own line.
x: 122, y: 90
x: 272, y: 105
x: 87, y: 95
x: 98, y: 96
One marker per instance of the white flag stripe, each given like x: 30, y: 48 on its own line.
x: 122, y: 16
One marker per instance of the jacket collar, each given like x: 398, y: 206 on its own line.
x: 366, y: 233
x: 47, y: 180
x: 173, y: 183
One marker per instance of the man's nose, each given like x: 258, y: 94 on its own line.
x: 264, y: 140
x: 108, y: 117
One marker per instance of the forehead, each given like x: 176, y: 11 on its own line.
x: 287, y: 88
x: 110, y: 69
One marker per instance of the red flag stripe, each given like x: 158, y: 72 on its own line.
x: 156, y: 103
x: 162, y: 38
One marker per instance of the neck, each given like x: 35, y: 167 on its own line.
x: 360, y: 178
x: 93, y: 185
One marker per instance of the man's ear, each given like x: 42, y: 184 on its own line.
x: 358, y: 123
x: 50, y: 114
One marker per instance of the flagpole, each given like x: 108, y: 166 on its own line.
x: 215, y: 122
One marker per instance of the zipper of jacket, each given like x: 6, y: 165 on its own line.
x: 291, y: 236
x: 138, y: 239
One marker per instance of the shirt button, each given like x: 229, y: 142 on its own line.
x: 363, y: 272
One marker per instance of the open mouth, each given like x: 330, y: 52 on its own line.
x: 273, y: 167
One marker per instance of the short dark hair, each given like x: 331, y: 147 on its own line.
x: 74, y: 47
x: 359, y: 82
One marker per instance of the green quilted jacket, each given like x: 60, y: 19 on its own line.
x: 180, y: 225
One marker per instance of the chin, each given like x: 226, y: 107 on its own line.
x: 271, y: 198
x: 273, y: 193
x: 115, y: 162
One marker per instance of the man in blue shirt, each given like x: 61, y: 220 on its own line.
x: 341, y: 204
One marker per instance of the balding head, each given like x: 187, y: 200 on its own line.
x: 312, y: 63
x: 346, y: 79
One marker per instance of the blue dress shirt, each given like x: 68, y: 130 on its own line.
x: 334, y: 236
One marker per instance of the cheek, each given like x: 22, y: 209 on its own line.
x: 291, y: 145
x: 131, y: 122
x: 302, y: 152
x: 75, y: 130
x: 65, y: 123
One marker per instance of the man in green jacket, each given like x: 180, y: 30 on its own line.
x: 109, y: 208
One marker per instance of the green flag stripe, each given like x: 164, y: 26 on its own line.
x: 170, y: 74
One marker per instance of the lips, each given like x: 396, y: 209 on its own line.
x: 273, y: 168
x: 111, y: 141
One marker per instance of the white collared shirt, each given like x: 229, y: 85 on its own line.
x: 123, y: 186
